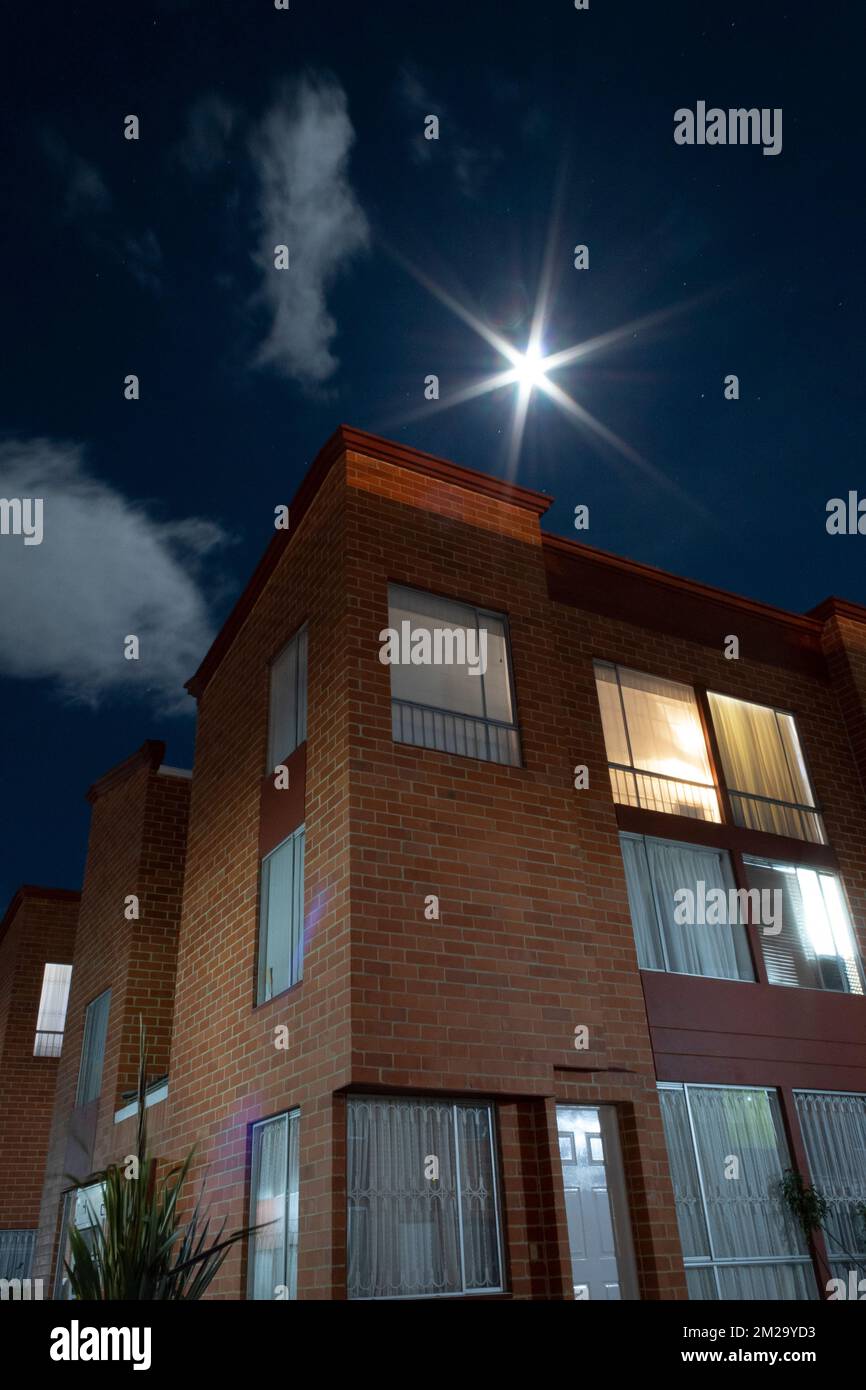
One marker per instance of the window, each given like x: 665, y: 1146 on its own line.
x: 16, y: 1253
x: 423, y: 1206
x: 52, y: 1011
x: 814, y: 946
x: 739, y: 1239
x: 273, y: 1264
x: 700, y: 935
x: 764, y: 769
x: 281, y: 929
x: 834, y: 1131
x: 451, y: 683
x: 93, y: 1049
x: 655, y: 744
x: 84, y: 1208
x: 287, y: 714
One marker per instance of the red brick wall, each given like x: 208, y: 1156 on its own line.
x: 42, y: 930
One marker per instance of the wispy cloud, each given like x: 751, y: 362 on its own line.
x: 300, y: 152
x: 106, y: 568
x: 470, y: 164
x: 89, y: 206
x: 210, y: 124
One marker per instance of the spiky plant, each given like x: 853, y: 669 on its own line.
x: 810, y: 1208
x: 140, y: 1248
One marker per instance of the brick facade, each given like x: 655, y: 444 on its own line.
x: 534, y: 936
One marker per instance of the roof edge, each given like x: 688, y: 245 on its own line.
x: 33, y: 890
x: 150, y: 754
x: 834, y: 607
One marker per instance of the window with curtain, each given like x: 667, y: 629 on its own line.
x: 93, y: 1049
x: 739, y: 1240
x: 273, y: 1260
x: 281, y: 919
x: 445, y: 705
x: 656, y: 871
x: 815, y: 948
x: 834, y: 1132
x: 410, y: 1234
x: 51, y: 1019
x: 287, y: 712
x: 764, y: 769
x: 656, y: 750
x: 16, y: 1253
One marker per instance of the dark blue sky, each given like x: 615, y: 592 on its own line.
x: 146, y: 257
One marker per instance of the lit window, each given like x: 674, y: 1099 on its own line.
x: 764, y: 769
x: 51, y: 1018
x: 418, y: 1230
x: 809, y: 943
x: 273, y: 1264
x: 93, y: 1049
x: 281, y: 928
x: 287, y: 715
x: 450, y: 677
x: 655, y: 744
x: 738, y: 1238
x: 685, y: 910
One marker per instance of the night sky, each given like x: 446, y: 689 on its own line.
x: 155, y: 257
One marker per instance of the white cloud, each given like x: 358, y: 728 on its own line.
x: 471, y: 166
x: 300, y: 153
x: 105, y: 569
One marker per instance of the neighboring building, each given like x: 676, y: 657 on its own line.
x: 37, y: 939
x: 466, y: 999
x: 125, y: 962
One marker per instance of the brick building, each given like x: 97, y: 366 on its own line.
x: 528, y: 980
x: 37, y: 940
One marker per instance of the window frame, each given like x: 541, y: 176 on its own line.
x: 79, y: 1100
x: 292, y: 1117
x: 717, y: 761
x: 452, y: 1105
x: 766, y: 862
x: 52, y: 1032
x: 712, y: 1262
x: 513, y: 727
x: 274, y: 757
x: 260, y: 998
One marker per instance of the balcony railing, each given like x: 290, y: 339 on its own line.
x: 427, y: 727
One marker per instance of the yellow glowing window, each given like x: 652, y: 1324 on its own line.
x: 655, y: 744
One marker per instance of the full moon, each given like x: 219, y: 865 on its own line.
x: 529, y: 369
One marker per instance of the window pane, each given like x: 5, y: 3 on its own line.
x: 615, y: 741
x: 274, y: 1207
x: 415, y: 1225
x: 281, y: 936
x: 684, y: 1174
x: 287, y: 716
x: 662, y: 738
x: 497, y: 686
x: 16, y: 1254
x: 93, y: 1049
x: 762, y: 757
x: 698, y: 935
x: 477, y: 1197
x: 53, y: 1002
x: 448, y: 687
x: 779, y: 1282
x: 834, y: 1132
x: 745, y: 1214
x: 814, y: 949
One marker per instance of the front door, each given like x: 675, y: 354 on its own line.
x: 589, y: 1152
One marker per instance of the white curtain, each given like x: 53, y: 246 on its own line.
x: 742, y: 1214
x: 16, y: 1254
x: 404, y: 1225
x: 274, y: 1207
x: 834, y: 1131
x: 656, y: 870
